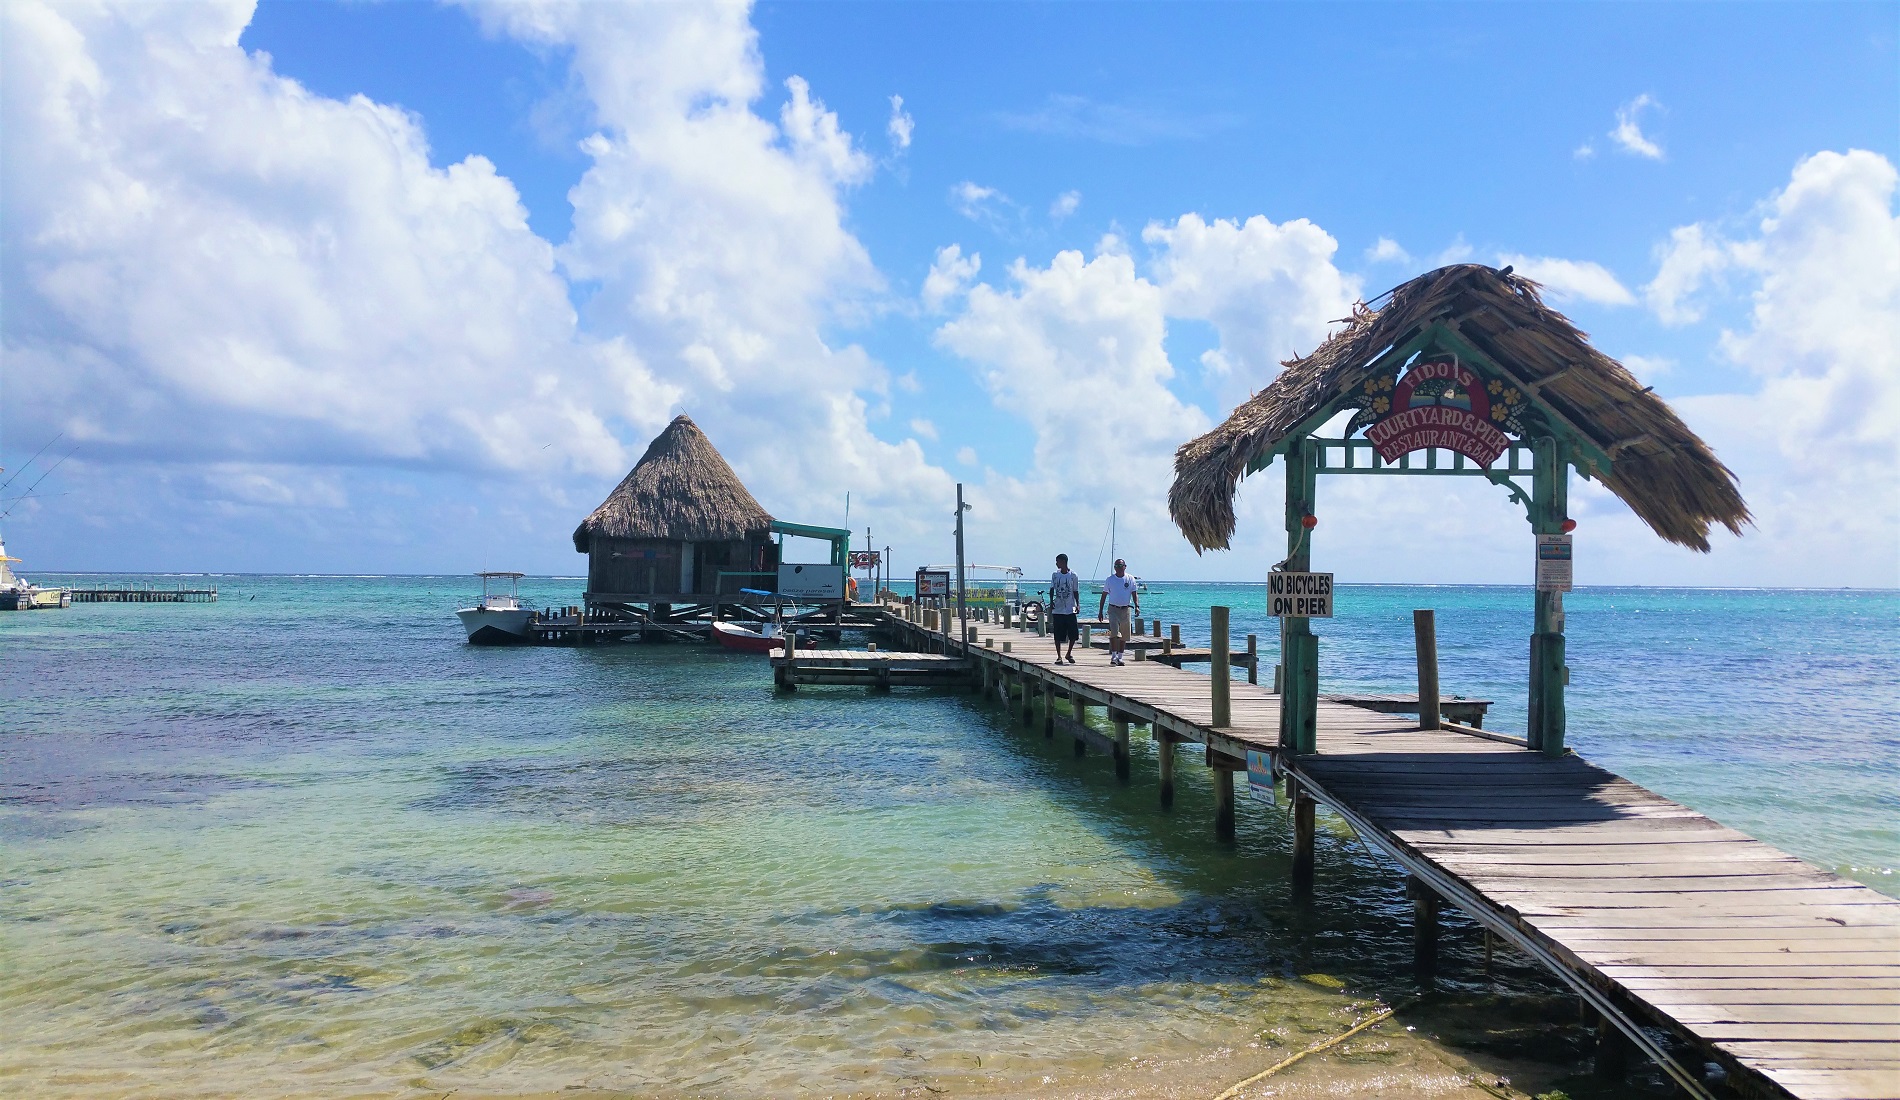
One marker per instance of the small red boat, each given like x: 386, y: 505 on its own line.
x: 747, y: 641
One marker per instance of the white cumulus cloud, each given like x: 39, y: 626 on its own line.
x: 235, y: 270
x: 949, y: 273
x: 1628, y: 133
x: 1271, y: 290
x: 901, y: 125
x: 1065, y: 204
x: 1572, y: 279
x: 1386, y: 250
x: 1817, y: 444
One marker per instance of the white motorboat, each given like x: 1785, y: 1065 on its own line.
x: 18, y: 594
x: 498, y: 619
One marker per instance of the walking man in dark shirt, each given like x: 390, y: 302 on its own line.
x: 1065, y: 604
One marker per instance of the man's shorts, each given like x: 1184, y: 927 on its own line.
x: 1064, y: 628
x: 1118, y: 624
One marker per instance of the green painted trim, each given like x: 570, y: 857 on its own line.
x: 838, y: 537
x: 1417, y: 342
x: 1585, y: 446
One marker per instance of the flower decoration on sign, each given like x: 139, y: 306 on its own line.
x: 1371, y: 401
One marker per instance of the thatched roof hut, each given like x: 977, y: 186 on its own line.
x: 1631, y: 441
x: 682, y: 489
x: 679, y: 524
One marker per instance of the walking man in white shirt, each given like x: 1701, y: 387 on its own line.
x: 1121, y: 600
x: 1065, y: 605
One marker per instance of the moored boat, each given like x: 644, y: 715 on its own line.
x: 766, y: 639
x: 18, y: 594
x: 498, y: 619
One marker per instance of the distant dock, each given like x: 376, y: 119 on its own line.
x: 1693, y: 944
x: 144, y: 594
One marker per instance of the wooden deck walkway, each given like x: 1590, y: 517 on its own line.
x: 1785, y: 975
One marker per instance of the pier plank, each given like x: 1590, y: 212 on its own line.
x: 1782, y: 970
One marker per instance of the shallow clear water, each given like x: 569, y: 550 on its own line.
x: 304, y: 841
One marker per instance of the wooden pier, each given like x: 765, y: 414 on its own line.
x: 144, y: 595
x: 1785, y: 976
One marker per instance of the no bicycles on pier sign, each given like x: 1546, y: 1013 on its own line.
x: 1300, y: 595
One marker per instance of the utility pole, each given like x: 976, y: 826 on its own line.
x: 961, y: 508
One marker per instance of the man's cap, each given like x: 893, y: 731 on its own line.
x: 1062, y: 557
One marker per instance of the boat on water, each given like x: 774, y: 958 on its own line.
x: 18, y: 594
x: 498, y: 619
x: 768, y: 638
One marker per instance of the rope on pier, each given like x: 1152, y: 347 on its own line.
x: 1380, y: 1016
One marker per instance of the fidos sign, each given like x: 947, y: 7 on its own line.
x: 1453, y: 411
x: 1300, y: 595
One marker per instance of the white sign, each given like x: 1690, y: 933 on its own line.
x: 1300, y: 595
x: 1553, y: 563
x: 815, y: 582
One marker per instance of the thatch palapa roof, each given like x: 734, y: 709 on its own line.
x: 1618, y: 431
x: 681, y: 488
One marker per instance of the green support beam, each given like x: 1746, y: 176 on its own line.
x: 1299, y: 648
x: 1550, y: 506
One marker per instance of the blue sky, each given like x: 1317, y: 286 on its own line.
x: 288, y: 323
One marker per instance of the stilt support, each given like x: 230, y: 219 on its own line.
x: 1223, y: 804
x: 1302, y: 834
x: 1164, y: 748
x: 1424, y: 928
x: 1121, y: 746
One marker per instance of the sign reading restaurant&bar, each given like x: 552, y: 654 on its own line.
x: 1458, y: 421
x: 1300, y: 595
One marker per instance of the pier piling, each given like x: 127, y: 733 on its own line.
x: 1425, y: 639
x: 1424, y: 928
x: 1302, y: 834
x: 1164, y: 751
x: 1219, y: 681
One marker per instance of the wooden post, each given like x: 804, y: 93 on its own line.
x: 1079, y: 711
x: 1174, y: 635
x: 1303, y: 829
x: 1006, y: 617
x: 1223, y: 804
x: 1164, y: 749
x: 1219, y: 677
x: 1156, y: 624
x: 1048, y: 708
x: 1138, y: 629
x: 1550, y: 505
x: 1120, y: 720
x: 1425, y: 639
x: 1087, y: 638
x: 1424, y: 928
x: 1029, y: 698
x: 1613, y: 1051
x: 1299, y: 699
x: 1253, y: 659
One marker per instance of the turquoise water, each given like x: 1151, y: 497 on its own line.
x: 303, y: 841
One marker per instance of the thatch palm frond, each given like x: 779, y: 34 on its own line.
x: 683, y: 489
x: 1666, y: 474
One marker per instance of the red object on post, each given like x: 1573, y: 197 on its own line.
x: 1309, y: 522
x: 1569, y: 525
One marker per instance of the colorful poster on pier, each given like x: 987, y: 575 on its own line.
x: 1260, y: 775
x: 1441, y: 403
x: 1553, y: 563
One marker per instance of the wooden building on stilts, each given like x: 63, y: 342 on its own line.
x: 681, y: 543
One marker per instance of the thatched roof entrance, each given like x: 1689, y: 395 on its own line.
x: 1616, y: 430
x: 680, y: 489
